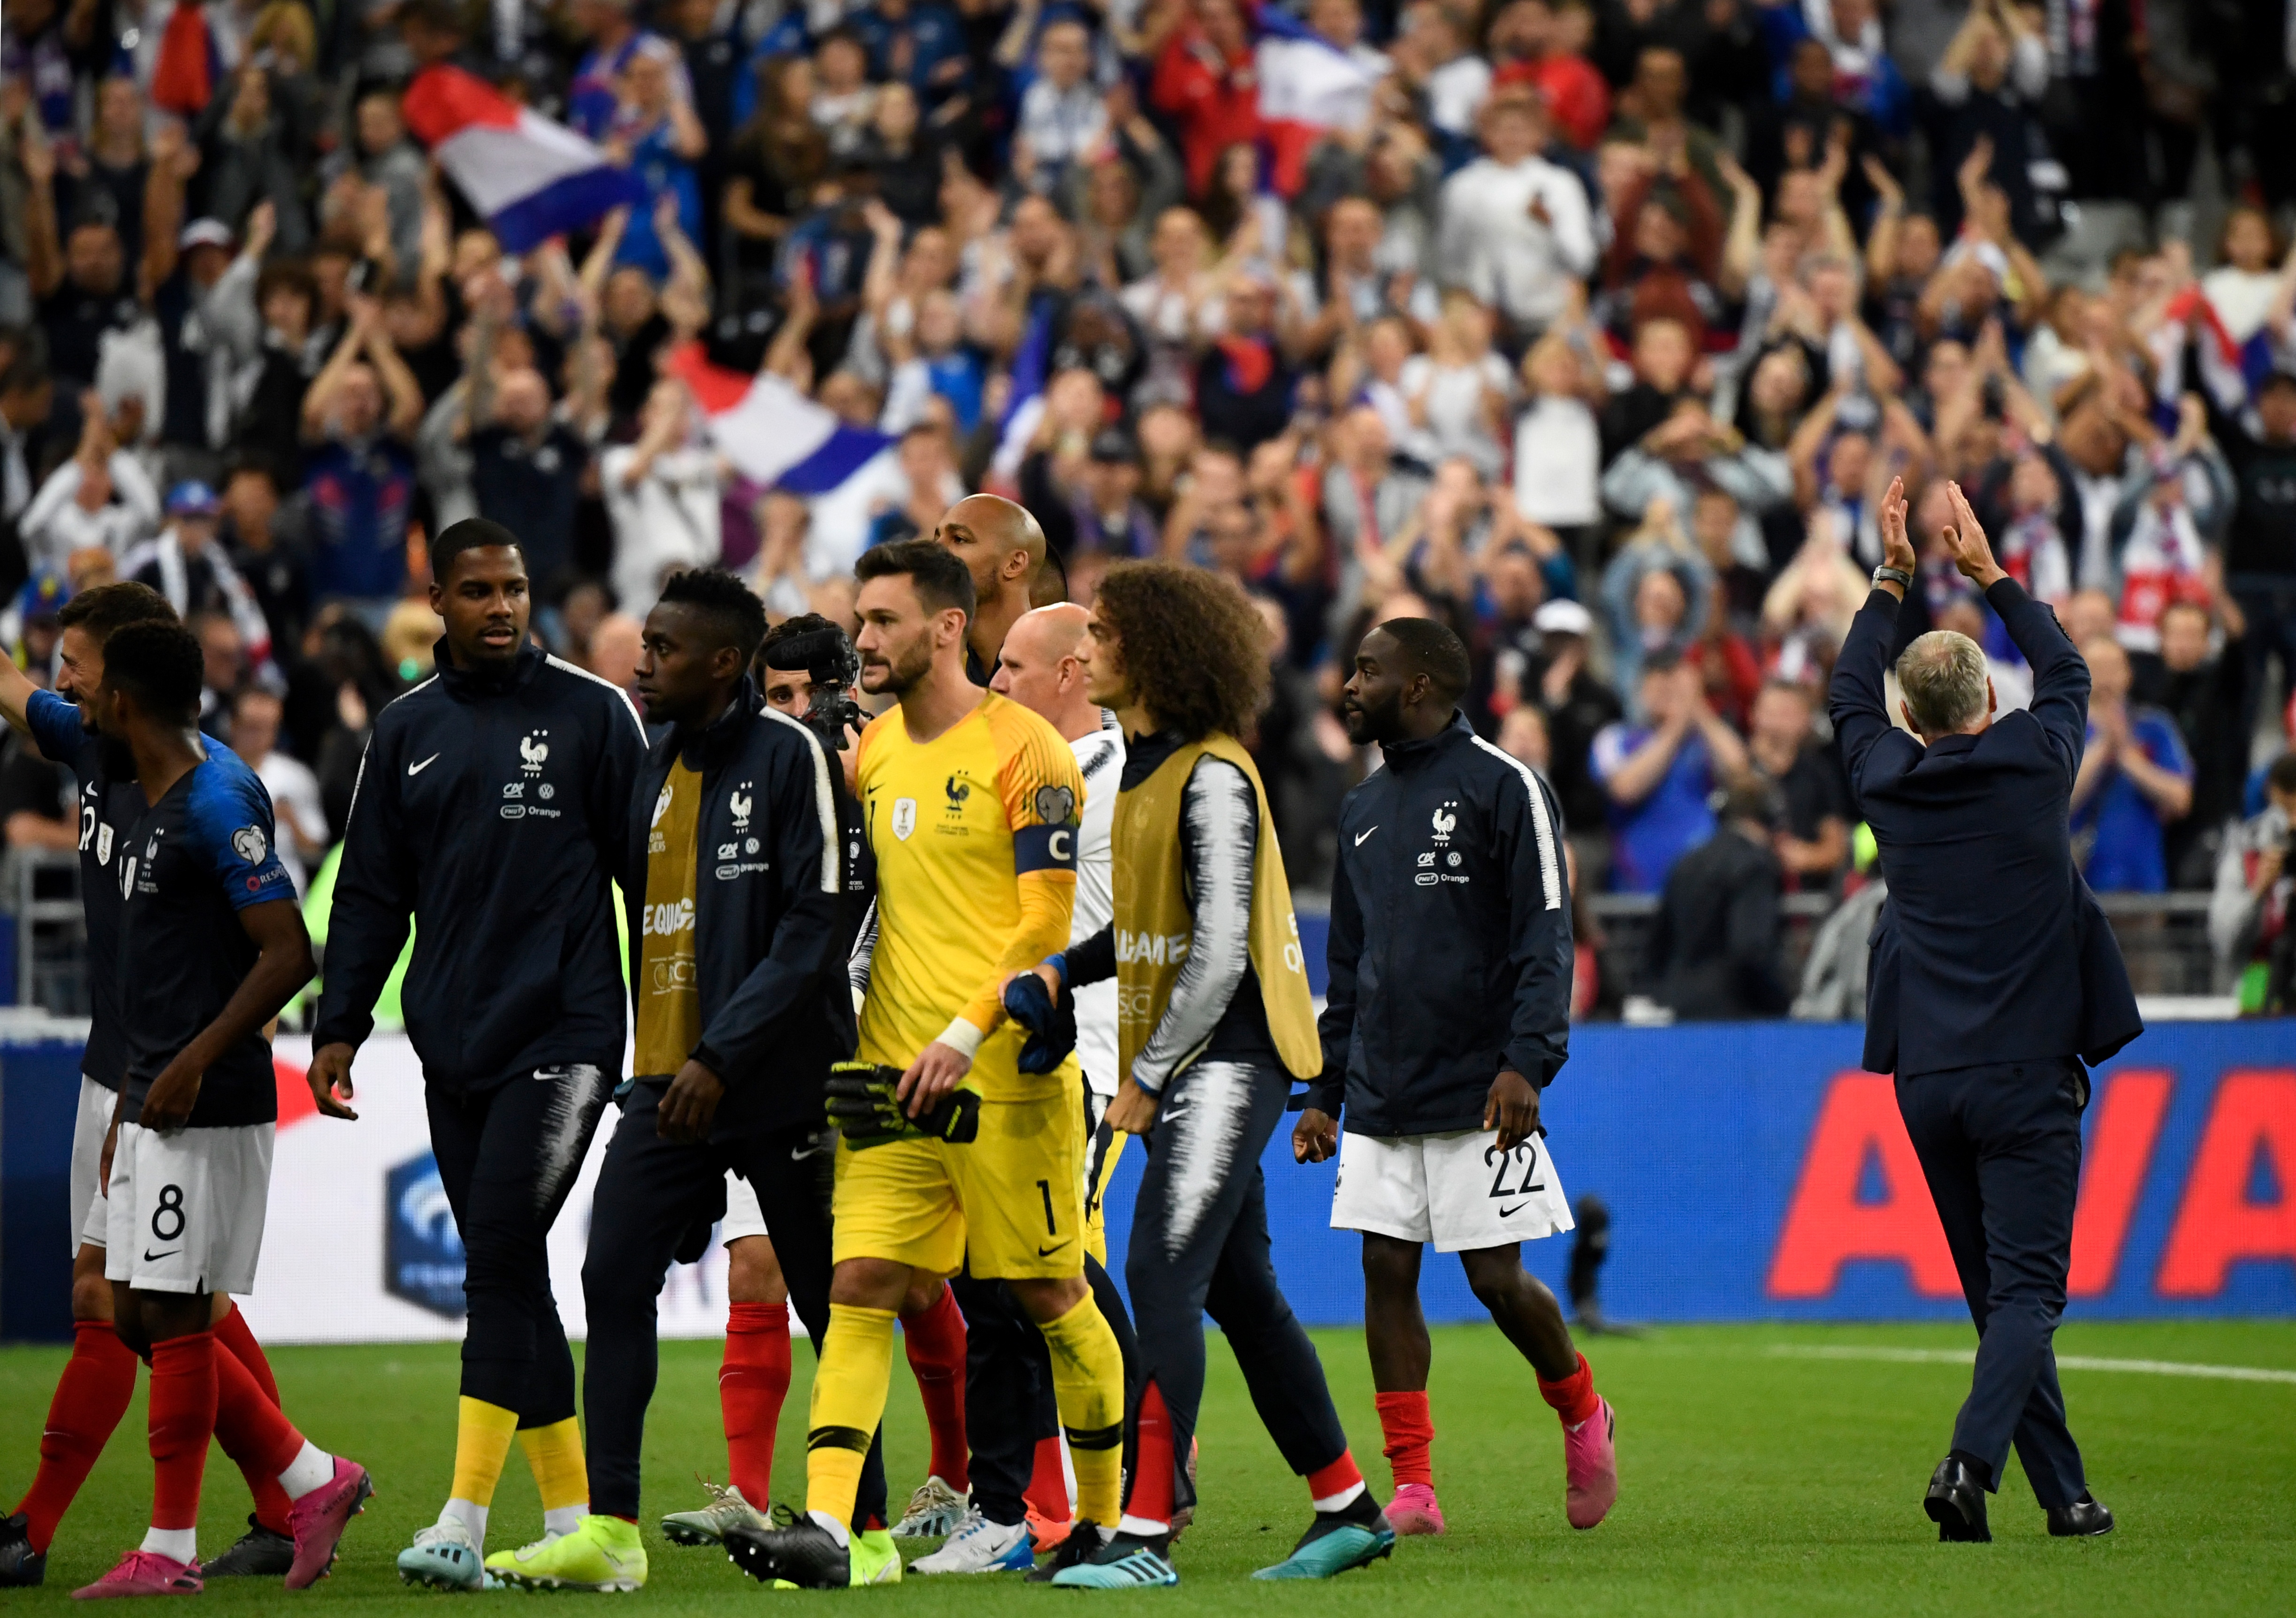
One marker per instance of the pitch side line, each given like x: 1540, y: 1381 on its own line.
x: 2067, y: 1362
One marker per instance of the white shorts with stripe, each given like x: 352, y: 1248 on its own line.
x: 1457, y: 1190
x: 187, y: 1208
x: 743, y: 1216
x: 90, y: 1216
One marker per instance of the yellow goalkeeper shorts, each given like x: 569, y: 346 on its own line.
x: 1010, y: 1204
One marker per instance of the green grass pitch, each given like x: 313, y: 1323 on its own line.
x: 1753, y: 1480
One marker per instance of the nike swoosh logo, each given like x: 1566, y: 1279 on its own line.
x: 1360, y: 840
x: 417, y: 769
x: 1508, y: 1214
x: 152, y: 1258
x: 1047, y: 1252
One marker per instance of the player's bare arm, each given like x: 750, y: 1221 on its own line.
x: 1316, y: 1138
x: 1134, y: 1110
x: 16, y: 690
x: 689, y: 1105
x: 330, y: 1079
x: 284, y: 965
x: 1512, y: 1109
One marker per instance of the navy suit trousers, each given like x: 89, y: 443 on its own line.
x: 2000, y: 1146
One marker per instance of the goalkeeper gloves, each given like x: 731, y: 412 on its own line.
x: 864, y: 1104
x: 1050, y: 1022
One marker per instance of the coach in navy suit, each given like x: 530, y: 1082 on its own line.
x: 1994, y: 978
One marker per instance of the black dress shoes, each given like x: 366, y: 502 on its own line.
x: 2084, y: 1517
x: 1956, y: 1503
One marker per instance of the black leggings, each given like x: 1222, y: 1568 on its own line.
x: 1200, y: 1244
x: 1008, y: 1386
x: 651, y: 1193
x: 507, y: 1157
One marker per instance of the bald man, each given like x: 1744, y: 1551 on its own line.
x: 1040, y: 671
x: 1002, y: 547
x: 1020, y: 1490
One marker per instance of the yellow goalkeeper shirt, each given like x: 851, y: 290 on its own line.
x: 974, y: 836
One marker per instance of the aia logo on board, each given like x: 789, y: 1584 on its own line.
x: 1861, y: 1197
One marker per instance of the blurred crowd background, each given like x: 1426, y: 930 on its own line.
x: 1593, y: 329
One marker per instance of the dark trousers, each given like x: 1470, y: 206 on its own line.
x: 2000, y: 1146
x: 1009, y: 1407
x: 507, y: 1157
x: 1008, y: 1385
x: 1200, y: 1245
x: 651, y: 1193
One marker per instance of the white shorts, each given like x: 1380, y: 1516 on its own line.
x: 187, y: 1208
x: 1454, y: 1190
x: 91, y: 1214
x: 743, y: 1216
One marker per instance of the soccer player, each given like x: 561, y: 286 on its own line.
x: 969, y: 805
x: 492, y: 808
x: 739, y: 929
x: 1450, y: 876
x: 754, y: 1376
x: 212, y: 940
x: 1020, y: 1498
x: 99, y: 1377
x: 1213, y: 1013
x: 1003, y: 548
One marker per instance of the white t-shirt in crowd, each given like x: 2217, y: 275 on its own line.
x: 1558, y: 462
x: 294, y: 788
x: 670, y: 521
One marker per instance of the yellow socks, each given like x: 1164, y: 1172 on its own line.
x: 554, y: 1453
x: 848, y: 1401
x: 1088, y: 1389
x: 482, y: 1434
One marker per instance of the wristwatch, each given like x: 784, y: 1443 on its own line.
x: 1886, y: 574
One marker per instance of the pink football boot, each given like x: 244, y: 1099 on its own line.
x: 1414, y: 1510
x: 1590, y: 1468
x: 144, y: 1572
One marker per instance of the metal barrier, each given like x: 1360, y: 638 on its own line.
x: 2164, y: 937
x: 43, y: 894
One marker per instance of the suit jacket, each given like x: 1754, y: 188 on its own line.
x: 1991, y: 948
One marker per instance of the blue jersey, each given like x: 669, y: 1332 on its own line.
x: 108, y: 810
x: 360, y: 502
x: 2126, y: 854
x: 1648, y: 837
x: 202, y: 855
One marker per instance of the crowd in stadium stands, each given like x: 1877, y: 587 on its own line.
x: 1594, y: 329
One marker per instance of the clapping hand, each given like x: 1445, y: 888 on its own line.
x: 1965, y: 537
x: 1896, y: 547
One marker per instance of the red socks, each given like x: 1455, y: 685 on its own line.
x: 90, y: 1396
x: 1409, y: 1429
x: 257, y: 1436
x: 1151, y: 1471
x: 242, y: 1372
x: 1048, y: 1484
x: 231, y: 1335
x: 935, y: 1342
x: 752, y: 1381
x: 183, y: 1418
x: 1573, y: 1397
x: 1337, y: 1478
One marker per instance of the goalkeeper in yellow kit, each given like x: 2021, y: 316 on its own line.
x: 950, y: 1156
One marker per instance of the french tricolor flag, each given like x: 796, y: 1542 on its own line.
x: 1307, y: 86
x: 532, y: 179
x: 772, y: 433
x: 2231, y: 371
